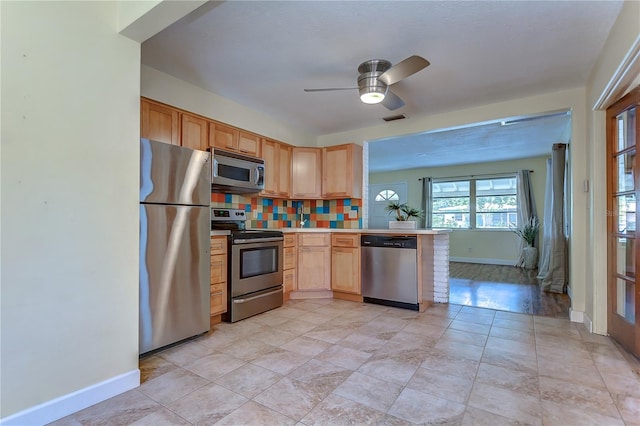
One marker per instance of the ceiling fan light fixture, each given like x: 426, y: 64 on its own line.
x: 371, y: 97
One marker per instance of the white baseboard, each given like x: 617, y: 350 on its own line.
x: 58, y: 408
x: 576, y: 316
x: 588, y: 323
x: 483, y: 261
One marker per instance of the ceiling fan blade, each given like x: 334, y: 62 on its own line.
x: 392, y: 101
x: 330, y: 89
x: 403, y: 69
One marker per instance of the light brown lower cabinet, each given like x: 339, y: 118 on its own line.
x: 314, y: 261
x: 345, y: 264
x: 218, y: 280
x: 289, y: 264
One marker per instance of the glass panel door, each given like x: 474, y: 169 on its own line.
x: 623, y: 191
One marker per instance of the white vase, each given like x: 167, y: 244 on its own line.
x: 530, y: 257
x: 402, y: 224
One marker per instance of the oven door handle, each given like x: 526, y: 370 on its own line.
x: 248, y: 299
x: 257, y: 240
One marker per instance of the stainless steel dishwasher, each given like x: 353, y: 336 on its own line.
x: 390, y: 270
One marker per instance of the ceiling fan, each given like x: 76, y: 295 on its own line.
x: 377, y: 75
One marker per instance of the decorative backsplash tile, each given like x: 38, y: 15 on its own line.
x: 276, y: 213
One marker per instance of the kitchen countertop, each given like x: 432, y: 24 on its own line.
x: 220, y: 232
x: 371, y: 231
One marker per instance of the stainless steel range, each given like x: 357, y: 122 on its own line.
x: 254, y: 265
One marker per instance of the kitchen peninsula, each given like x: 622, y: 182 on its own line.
x: 326, y: 262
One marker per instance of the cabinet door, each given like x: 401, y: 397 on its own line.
x: 306, y: 171
x: 223, y: 137
x: 342, y: 171
x: 289, y: 260
x: 270, y: 157
x: 283, y: 175
x: 345, y: 269
x: 314, y: 268
x: 159, y: 122
x: 194, y: 132
x: 218, y: 297
x: 218, y: 268
x: 289, y: 280
x: 249, y: 144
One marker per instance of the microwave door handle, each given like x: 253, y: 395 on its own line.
x: 256, y: 175
x: 215, y: 168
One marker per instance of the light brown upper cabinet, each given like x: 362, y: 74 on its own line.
x: 159, y: 122
x: 232, y: 139
x: 193, y: 131
x: 277, y: 159
x: 249, y: 143
x: 306, y: 173
x: 223, y: 136
x: 342, y: 171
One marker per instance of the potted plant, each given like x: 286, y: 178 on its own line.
x: 528, y: 232
x: 403, y: 214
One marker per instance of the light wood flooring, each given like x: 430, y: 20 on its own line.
x: 504, y: 288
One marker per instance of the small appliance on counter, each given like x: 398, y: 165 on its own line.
x: 254, y: 265
x: 175, y: 185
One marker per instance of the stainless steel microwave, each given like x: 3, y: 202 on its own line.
x: 236, y: 173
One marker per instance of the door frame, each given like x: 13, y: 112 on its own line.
x: 626, y: 333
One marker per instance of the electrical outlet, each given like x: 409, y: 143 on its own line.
x: 469, y: 249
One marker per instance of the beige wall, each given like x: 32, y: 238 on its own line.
x: 478, y: 245
x: 69, y: 167
x: 614, y: 73
x: 170, y: 90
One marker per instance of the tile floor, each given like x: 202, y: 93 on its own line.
x: 334, y: 362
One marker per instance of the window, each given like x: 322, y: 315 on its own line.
x: 496, y: 203
x: 387, y: 195
x: 451, y: 204
x: 476, y: 203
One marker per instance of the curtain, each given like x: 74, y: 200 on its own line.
x: 553, y: 266
x: 526, y: 208
x: 545, y: 247
x: 425, y: 222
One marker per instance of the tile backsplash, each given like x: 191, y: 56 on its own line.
x: 276, y: 213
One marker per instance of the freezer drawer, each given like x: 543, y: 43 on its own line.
x: 174, y: 274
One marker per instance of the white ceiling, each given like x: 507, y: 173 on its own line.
x: 499, y: 141
x: 262, y: 54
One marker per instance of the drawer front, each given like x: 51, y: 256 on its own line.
x: 345, y: 240
x: 218, y: 299
x: 218, y: 245
x: 289, y: 280
x: 290, y: 240
x: 218, y: 268
x: 314, y: 240
x: 290, y: 259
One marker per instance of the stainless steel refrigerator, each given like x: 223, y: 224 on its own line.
x: 175, y: 194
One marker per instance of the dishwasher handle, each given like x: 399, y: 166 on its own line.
x: 408, y: 242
